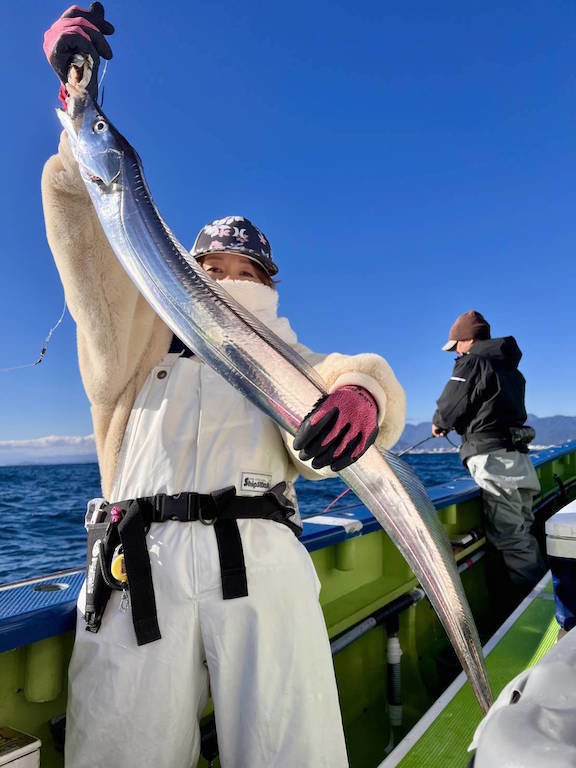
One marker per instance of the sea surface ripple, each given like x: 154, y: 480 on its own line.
x: 42, y: 510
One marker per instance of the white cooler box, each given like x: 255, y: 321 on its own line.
x: 18, y: 750
x: 561, y: 548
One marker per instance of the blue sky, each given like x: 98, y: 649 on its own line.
x: 408, y: 161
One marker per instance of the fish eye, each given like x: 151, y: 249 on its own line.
x: 100, y: 126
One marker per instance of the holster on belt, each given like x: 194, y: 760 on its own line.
x: 103, y: 538
x: 522, y: 436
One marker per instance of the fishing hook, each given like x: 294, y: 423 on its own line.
x: 44, y: 346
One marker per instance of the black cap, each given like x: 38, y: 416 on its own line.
x: 237, y: 234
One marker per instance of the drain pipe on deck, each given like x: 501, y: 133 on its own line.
x: 387, y: 615
x: 393, y: 654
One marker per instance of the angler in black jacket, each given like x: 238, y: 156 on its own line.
x: 484, y: 402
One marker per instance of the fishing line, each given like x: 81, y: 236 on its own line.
x: 104, y: 68
x: 406, y: 450
x: 341, y: 496
x: 44, y: 346
x: 450, y: 441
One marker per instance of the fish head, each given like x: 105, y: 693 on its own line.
x: 96, y: 144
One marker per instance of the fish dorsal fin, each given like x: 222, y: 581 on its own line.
x: 410, y: 481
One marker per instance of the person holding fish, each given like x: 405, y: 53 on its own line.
x: 196, y: 539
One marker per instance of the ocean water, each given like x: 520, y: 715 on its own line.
x: 42, y: 510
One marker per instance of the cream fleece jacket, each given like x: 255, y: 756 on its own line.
x: 120, y: 337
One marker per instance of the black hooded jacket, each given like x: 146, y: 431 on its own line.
x: 484, y: 397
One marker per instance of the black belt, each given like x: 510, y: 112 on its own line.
x: 492, y: 435
x: 207, y: 508
x: 221, y: 509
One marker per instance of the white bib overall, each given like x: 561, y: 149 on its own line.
x: 264, y: 658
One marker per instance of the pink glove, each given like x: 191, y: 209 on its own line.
x: 78, y: 31
x: 339, y: 429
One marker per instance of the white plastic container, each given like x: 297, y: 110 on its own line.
x: 18, y: 750
x: 561, y: 548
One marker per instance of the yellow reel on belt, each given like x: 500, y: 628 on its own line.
x: 118, y: 568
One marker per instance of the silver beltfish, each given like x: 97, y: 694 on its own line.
x: 264, y: 368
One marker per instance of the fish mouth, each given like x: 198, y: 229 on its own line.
x: 103, y: 169
x: 104, y: 186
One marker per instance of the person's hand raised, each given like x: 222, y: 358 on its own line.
x: 78, y: 32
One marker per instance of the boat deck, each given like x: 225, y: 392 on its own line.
x: 442, y: 736
x: 362, y: 572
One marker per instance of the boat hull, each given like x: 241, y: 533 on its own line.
x: 362, y: 574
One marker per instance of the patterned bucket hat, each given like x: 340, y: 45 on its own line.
x: 238, y: 234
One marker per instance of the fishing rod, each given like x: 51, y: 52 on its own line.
x: 416, y: 445
x: 430, y: 437
x: 402, y: 453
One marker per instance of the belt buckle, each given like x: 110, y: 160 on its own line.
x: 165, y: 513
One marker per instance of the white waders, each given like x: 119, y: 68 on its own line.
x: 265, y: 658
x: 509, y: 483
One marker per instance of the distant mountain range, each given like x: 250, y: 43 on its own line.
x: 550, y: 430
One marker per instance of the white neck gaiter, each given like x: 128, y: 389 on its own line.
x: 262, y: 301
